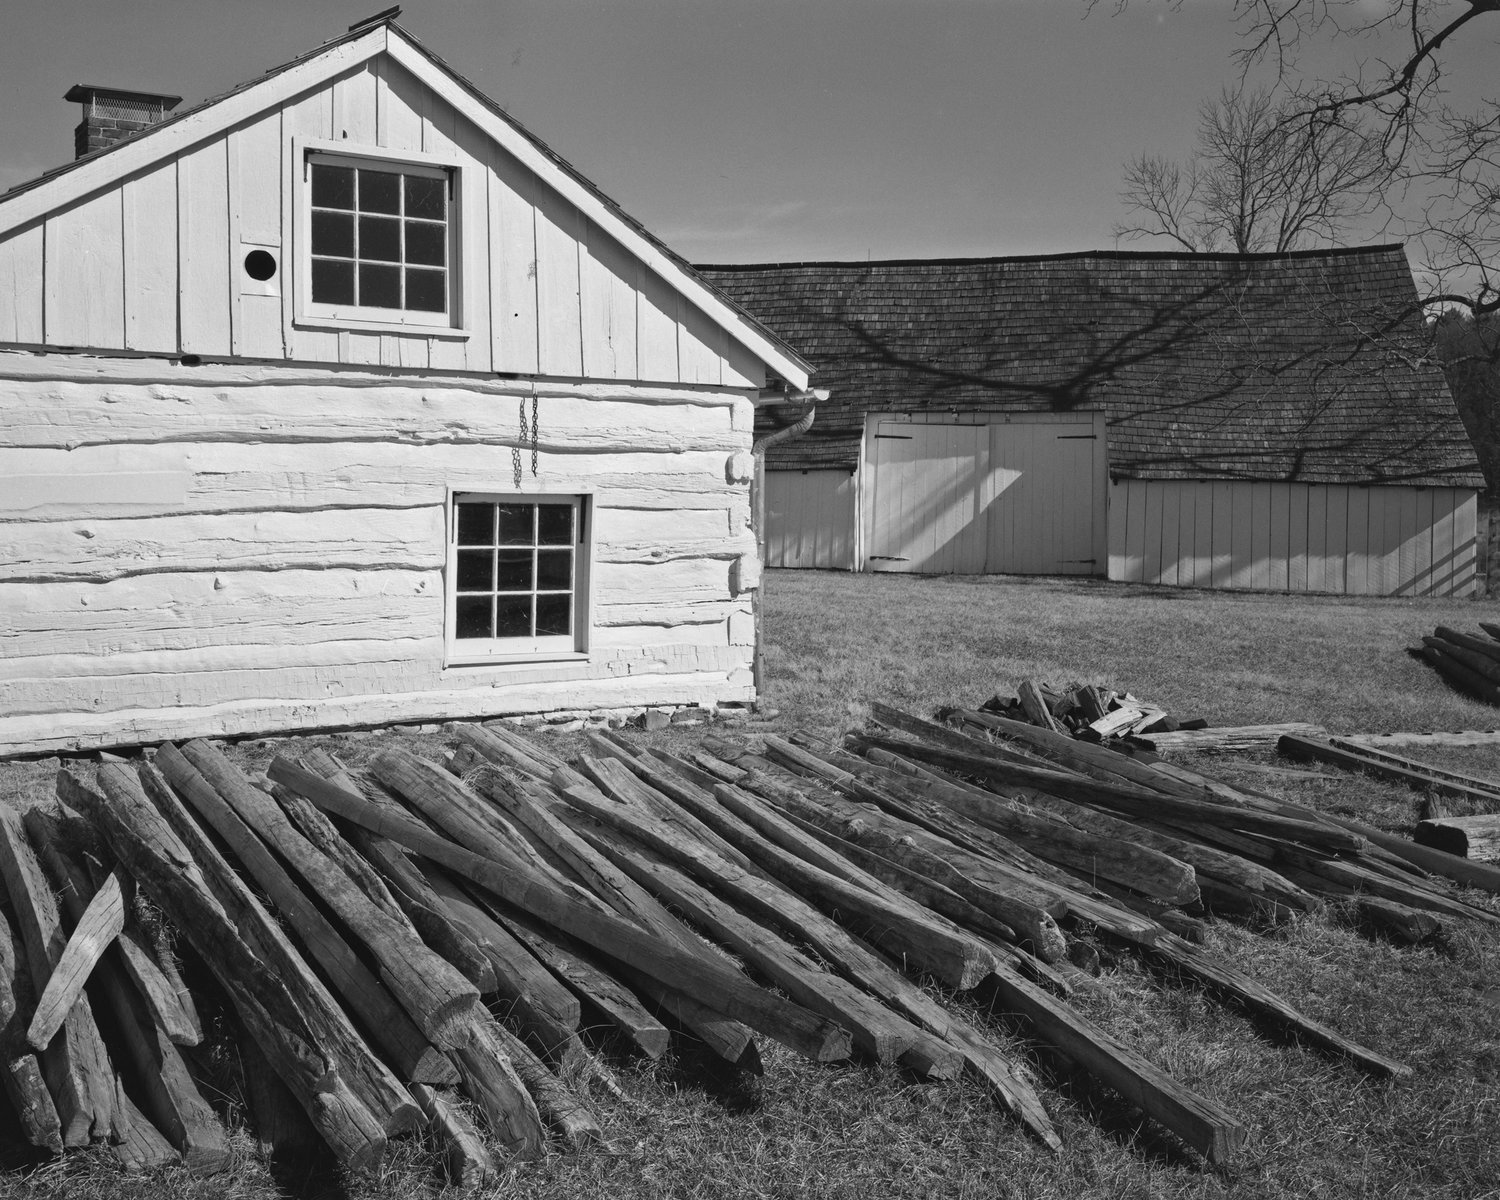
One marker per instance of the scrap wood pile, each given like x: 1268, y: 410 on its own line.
x: 1097, y: 714
x: 989, y: 858
x: 1468, y: 662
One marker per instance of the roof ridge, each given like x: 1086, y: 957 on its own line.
x: 1065, y: 256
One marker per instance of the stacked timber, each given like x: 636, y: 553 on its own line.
x: 366, y: 926
x: 1467, y: 661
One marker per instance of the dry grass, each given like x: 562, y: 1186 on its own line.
x: 1317, y: 1128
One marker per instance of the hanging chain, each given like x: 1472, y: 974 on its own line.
x: 515, y: 451
x: 536, y: 432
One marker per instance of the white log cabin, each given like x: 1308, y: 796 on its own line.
x: 1220, y: 421
x: 340, y: 400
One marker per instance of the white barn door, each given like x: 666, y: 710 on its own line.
x: 990, y: 495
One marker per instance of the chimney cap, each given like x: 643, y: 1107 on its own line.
x: 82, y: 93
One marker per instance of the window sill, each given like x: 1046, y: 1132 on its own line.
x: 354, y: 325
x: 529, y: 658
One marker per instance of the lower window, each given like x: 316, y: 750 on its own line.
x: 517, y: 572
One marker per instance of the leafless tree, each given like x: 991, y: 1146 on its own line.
x: 1442, y: 157
x: 1259, y: 179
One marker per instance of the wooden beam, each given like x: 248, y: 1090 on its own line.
x: 276, y: 1005
x: 718, y: 987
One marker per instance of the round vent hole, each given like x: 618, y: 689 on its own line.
x: 260, y: 265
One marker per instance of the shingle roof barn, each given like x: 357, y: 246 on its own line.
x: 1307, y: 366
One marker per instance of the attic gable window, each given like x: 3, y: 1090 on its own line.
x: 380, y: 241
x: 379, y: 238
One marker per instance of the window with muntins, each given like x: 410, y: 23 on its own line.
x: 380, y: 240
x: 516, y: 571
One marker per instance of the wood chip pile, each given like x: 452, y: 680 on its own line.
x: 365, y: 927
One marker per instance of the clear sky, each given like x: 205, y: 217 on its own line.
x: 736, y: 130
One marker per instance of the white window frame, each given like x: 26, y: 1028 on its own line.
x: 307, y: 314
x: 558, y: 648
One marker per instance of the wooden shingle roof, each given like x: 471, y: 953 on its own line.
x: 1310, y: 366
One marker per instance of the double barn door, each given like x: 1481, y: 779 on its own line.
x: 1022, y: 494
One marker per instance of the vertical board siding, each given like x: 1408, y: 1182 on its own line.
x: 559, y: 319
x: 1311, y: 537
x: 607, y: 294
x: 151, y: 282
x: 155, y: 264
x: 255, y: 220
x: 1298, y: 499
x: 85, y: 274
x: 810, y: 519
x: 513, y: 311
x: 203, y: 249
x: 22, y: 255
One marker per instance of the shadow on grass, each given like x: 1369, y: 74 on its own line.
x: 735, y: 1087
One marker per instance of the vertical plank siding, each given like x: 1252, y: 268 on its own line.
x: 156, y: 263
x: 810, y: 519
x: 1378, y: 541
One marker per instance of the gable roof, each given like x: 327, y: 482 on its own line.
x: 1309, y: 366
x: 76, y: 180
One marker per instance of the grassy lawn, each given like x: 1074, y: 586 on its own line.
x: 836, y: 641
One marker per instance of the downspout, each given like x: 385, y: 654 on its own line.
x: 812, y: 397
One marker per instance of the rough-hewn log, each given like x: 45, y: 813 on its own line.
x: 423, y: 908
x: 1054, y: 747
x: 587, y: 978
x: 467, y: 1161
x: 76, y: 1066
x: 431, y: 991
x: 158, y: 982
x: 94, y: 930
x: 1261, y: 1002
x: 1467, y: 837
x: 286, y: 1011
x: 1481, y: 791
x: 488, y: 1067
x: 1404, y: 925
x: 533, y: 807
x: 877, y: 1030
x: 719, y: 987
x: 1130, y: 799
x: 1208, y: 863
x: 281, y: 1128
x: 1354, y: 758
x: 538, y: 1002
x: 171, y: 1098
x: 1021, y: 905
x: 389, y: 1024
x: 1129, y: 862
x: 1206, y: 1126
x: 555, y: 1101
x: 142, y: 1148
x: 20, y: 1072
x: 1230, y: 737
x: 959, y: 961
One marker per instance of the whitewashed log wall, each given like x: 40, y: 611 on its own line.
x: 810, y: 519
x: 226, y: 549
x: 1376, y: 541
x: 154, y: 264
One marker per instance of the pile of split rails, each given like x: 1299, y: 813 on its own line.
x: 988, y: 860
x: 1460, y: 813
x: 1469, y: 663
x: 1095, y: 714
x: 1244, y: 868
